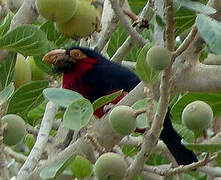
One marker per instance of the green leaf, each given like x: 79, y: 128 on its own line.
x: 49, y: 29
x: 203, y: 147
x: 144, y: 72
x: 35, y: 115
x: 6, y: 93
x: 28, y: 40
x: 81, y: 167
x: 56, y: 169
x: 218, y: 159
x: 29, y: 141
x: 197, y: 6
x: 106, y: 99
x: 129, y: 151
x: 173, y: 100
x: 5, y: 25
x: 141, y: 120
x: 78, y: 114
x: 52, y: 34
x: 61, y: 97
x: 26, y: 98
x: 184, y: 19
x: 156, y: 159
x: 137, y: 5
x: 160, y: 21
x: 213, y: 99
x: 117, y: 39
x: 42, y: 65
x: 186, y: 134
x: 210, y: 30
x: 7, y: 70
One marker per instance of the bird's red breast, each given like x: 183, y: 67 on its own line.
x: 72, y: 79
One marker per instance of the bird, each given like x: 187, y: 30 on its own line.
x: 91, y: 74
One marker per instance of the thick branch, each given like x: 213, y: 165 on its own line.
x: 203, y: 78
x: 27, y: 14
x: 80, y: 147
x: 40, y: 144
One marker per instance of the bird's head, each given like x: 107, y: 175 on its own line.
x: 64, y: 59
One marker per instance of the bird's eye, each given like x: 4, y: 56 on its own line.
x: 76, y: 53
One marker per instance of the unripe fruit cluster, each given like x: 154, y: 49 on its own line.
x: 110, y: 166
x: 14, y: 130
x: 74, y: 18
x: 158, y: 58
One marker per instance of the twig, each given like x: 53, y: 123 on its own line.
x: 40, y: 144
x: 77, y: 148
x: 4, y: 10
x: 130, y: 14
x: 125, y: 22
x: 186, y: 43
x: 139, y: 112
x: 95, y: 144
x: 213, y: 171
x: 150, y: 114
x: 152, y: 136
x: 158, y: 36
x: 167, y: 171
x: 131, y: 141
x: 26, y: 14
x: 17, y: 156
x: 109, y: 23
x: 147, y: 13
x: 170, y: 25
x: 3, y: 162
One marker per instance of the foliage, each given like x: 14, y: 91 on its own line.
x: 29, y: 101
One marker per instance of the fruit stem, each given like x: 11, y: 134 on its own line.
x: 131, y: 15
x: 205, y: 134
x: 139, y: 111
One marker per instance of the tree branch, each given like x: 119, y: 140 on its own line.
x: 147, y: 13
x: 79, y: 147
x: 125, y: 22
x: 109, y: 23
x: 40, y: 144
x: 170, y: 25
x: 27, y: 14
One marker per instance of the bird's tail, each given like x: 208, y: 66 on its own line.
x: 173, y: 142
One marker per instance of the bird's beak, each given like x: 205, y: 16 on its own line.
x: 57, y: 57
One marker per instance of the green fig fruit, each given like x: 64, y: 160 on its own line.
x: 110, y: 166
x: 197, y: 116
x: 122, y: 120
x: 84, y: 22
x: 57, y: 10
x: 15, y: 129
x: 158, y: 58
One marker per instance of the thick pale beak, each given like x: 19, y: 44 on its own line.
x: 57, y: 57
